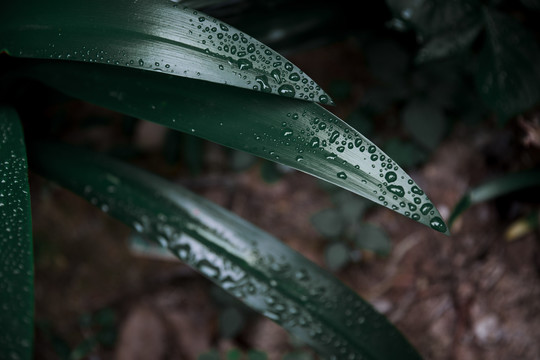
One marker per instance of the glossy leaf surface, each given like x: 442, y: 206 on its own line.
x: 250, y: 264
x: 299, y: 134
x: 16, y: 255
x: 160, y: 36
x: 508, y: 76
x: 495, y: 188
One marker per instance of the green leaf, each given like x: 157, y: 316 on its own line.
x: 336, y: 256
x: 373, y: 238
x: 508, y: 76
x: 252, y: 265
x: 432, y: 17
x: 447, y: 44
x: 299, y: 134
x: 158, y: 36
x: 16, y: 255
x: 492, y: 189
x: 328, y: 222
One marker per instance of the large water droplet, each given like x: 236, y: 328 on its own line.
x: 438, y: 224
x: 396, y: 189
x: 286, y: 90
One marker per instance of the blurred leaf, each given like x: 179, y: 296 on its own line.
x: 406, y: 154
x: 432, y: 17
x: 299, y: 134
x: 447, y: 44
x: 16, y: 256
x: 425, y: 122
x: 373, y: 238
x: 252, y: 265
x: 340, y: 89
x: 523, y: 226
x: 532, y: 4
x: 336, y: 256
x: 328, y: 222
x: 350, y: 206
x: 155, y: 36
x: 492, y: 189
x: 234, y: 354
x: 508, y: 75
x: 387, y: 59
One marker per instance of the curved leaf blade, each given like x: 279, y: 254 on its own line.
x: 299, y: 134
x: 151, y: 35
x: 250, y: 264
x: 498, y: 187
x: 16, y: 255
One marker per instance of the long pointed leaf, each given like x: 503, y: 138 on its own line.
x: 16, y: 256
x: 252, y: 265
x: 497, y: 187
x: 151, y: 35
x: 300, y: 134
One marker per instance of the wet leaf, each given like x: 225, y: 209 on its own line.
x: 252, y: 265
x: 508, y: 76
x: 498, y: 187
x: 159, y: 36
x: 299, y: 134
x: 16, y: 255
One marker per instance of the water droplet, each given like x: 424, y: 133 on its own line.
x: 294, y: 77
x: 438, y: 224
x: 314, y: 143
x: 286, y: 90
x: 323, y: 99
x: 426, y: 208
x: 342, y: 175
x: 415, y: 189
x: 390, y: 176
x: 262, y: 80
x: 141, y: 62
x: 244, y: 64
x: 276, y: 75
x: 396, y: 189
x: 372, y: 149
x: 299, y: 158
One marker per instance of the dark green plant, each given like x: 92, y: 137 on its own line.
x: 185, y: 70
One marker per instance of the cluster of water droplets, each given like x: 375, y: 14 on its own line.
x: 15, y: 245
x: 314, y: 136
x: 198, y: 46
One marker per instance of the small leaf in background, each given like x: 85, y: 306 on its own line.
x: 16, y: 255
x: 328, y: 222
x: 506, y: 184
x: 532, y: 4
x: 508, y: 75
x: 231, y: 322
x: 372, y: 238
x: 405, y: 153
x: 425, y: 122
x: 234, y: 354
x: 154, y: 36
x: 432, y: 17
x: 350, y: 207
x: 523, y: 226
x: 336, y: 256
x: 447, y: 44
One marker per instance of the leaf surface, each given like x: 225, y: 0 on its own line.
x: 299, y: 134
x: 16, y: 255
x: 497, y: 187
x: 245, y: 261
x: 159, y: 36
